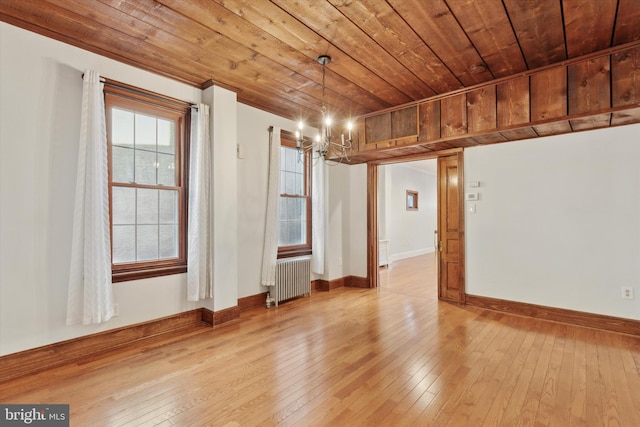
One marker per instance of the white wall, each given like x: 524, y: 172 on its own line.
x: 558, y: 221
x: 410, y: 233
x: 253, y: 138
x: 224, y: 128
x: 338, y: 218
x: 40, y: 94
x: 356, y: 252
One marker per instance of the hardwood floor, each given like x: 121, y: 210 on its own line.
x: 392, y: 356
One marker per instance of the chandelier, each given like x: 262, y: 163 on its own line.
x: 323, y: 146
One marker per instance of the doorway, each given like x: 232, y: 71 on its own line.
x: 407, y: 221
x: 449, y: 245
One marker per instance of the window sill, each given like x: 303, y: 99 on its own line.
x: 146, y: 273
x: 290, y: 253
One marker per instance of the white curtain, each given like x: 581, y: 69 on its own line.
x: 199, y: 264
x: 90, y: 298
x: 270, y: 249
x: 318, y: 215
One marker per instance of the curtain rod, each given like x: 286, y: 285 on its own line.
x: 102, y: 79
x: 124, y: 85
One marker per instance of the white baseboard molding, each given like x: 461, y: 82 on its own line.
x: 411, y: 254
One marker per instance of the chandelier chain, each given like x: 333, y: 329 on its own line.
x: 324, y: 106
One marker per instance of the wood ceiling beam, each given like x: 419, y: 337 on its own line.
x: 595, y: 91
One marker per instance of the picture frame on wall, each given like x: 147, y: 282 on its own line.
x: 412, y: 200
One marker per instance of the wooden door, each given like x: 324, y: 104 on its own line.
x: 450, y: 229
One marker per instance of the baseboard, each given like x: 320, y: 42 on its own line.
x: 356, y: 282
x: 259, y: 300
x: 226, y: 315
x: 347, y: 281
x: 572, y: 317
x: 46, y: 357
x: 252, y: 301
x: 411, y: 254
x: 328, y: 285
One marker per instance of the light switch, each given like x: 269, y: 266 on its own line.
x: 471, y: 196
x: 474, y: 184
x: 471, y: 207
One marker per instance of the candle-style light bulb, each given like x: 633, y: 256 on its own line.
x: 349, y: 127
x: 327, y: 122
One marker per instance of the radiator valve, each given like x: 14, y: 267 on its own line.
x: 270, y: 300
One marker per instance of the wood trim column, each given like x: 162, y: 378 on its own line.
x: 463, y: 239
x: 372, y: 225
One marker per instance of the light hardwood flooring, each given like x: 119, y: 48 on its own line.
x: 392, y: 356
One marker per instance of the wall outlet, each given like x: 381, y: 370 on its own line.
x: 627, y: 292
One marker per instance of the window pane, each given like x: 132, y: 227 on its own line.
x: 147, y: 206
x: 168, y: 206
x: 303, y: 232
x: 121, y: 127
x: 292, y: 209
x: 145, y: 132
x: 123, y: 201
x: 299, y: 164
x: 283, y: 158
x: 145, y: 167
x: 147, y: 245
x: 299, y: 184
x: 295, y: 237
x: 302, y: 209
x: 166, y: 136
x: 283, y: 208
x: 290, y: 183
x: 283, y: 182
x: 283, y: 233
x: 168, y: 241
x: 291, y: 159
x: 166, y: 169
x: 122, y: 164
x: 123, y: 241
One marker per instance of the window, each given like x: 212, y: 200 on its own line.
x: 146, y: 134
x: 295, y: 200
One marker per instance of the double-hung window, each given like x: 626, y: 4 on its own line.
x: 147, y: 135
x: 295, y: 200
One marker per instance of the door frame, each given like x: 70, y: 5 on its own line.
x: 373, y: 269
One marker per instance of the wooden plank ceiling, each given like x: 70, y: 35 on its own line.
x: 385, y: 53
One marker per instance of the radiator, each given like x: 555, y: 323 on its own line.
x: 293, y: 278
